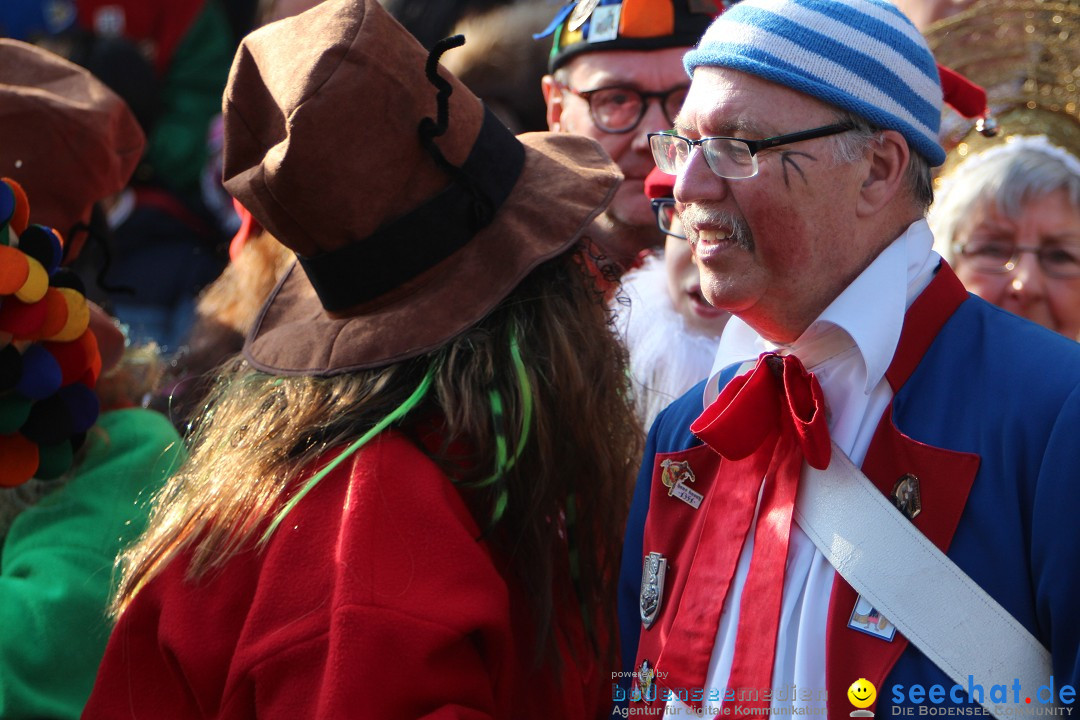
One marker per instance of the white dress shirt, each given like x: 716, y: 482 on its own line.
x: 849, y: 348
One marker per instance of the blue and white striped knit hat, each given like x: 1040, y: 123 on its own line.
x: 863, y: 56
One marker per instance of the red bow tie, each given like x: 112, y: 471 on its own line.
x: 775, y: 416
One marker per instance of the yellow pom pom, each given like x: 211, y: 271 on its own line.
x: 37, y: 282
x: 78, y: 318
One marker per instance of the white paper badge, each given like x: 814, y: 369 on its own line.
x: 865, y: 618
x: 605, y: 23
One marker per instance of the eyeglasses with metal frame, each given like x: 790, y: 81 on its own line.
x: 667, y: 219
x: 619, y: 109
x: 729, y: 157
x: 998, y: 257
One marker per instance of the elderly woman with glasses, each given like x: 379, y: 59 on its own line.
x: 1008, y: 220
x: 1007, y: 207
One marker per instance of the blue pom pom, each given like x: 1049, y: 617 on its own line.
x: 82, y: 405
x: 40, y: 243
x: 7, y: 203
x: 41, y: 374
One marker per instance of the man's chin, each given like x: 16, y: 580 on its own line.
x: 632, y: 212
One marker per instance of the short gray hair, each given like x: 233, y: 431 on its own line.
x: 1006, y: 180
x: 850, y: 146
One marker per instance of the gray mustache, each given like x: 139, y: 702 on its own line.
x: 692, y: 215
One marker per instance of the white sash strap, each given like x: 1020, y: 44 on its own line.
x: 948, y: 617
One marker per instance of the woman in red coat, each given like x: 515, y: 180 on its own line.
x: 405, y: 499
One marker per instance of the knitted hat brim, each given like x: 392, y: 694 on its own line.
x: 934, y: 153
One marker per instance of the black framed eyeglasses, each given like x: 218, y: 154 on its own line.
x: 667, y: 219
x: 728, y: 157
x: 619, y: 109
x: 999, y: 256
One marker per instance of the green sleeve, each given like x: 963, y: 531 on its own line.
x: 57, y: 562
x: 191, y: 96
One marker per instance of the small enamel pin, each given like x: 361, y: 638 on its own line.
x: 652, y: 588
x: 865, y: 618
x: 675, y: 475
x: 907, y: 497
x: 581, y: 13
x: 644, y: 676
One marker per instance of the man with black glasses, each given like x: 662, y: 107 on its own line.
x: 762, y: 573
x: 616, y: 75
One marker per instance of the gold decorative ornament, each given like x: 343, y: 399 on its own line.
x: 1026, y: 54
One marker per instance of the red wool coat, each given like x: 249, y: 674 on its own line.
x: 372, y: 600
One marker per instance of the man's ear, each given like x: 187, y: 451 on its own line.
x: 553, y: 97
x: 887, y: 157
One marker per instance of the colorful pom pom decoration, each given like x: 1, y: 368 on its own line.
x: 49, y: 357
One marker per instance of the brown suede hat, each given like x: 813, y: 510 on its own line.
x: 64, y: 136
x: 412, y: 217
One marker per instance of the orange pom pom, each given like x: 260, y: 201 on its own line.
x: 20, y: 460
x: 14, y: 269
x: 79, y: 359
x: 56, y: 313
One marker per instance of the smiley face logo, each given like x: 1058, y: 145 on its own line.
x: 862, y: 693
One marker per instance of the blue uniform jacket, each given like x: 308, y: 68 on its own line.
x: 997, y: 400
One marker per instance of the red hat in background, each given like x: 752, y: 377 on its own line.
x: 659, y: 185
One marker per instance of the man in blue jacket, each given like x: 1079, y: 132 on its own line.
x: 803, y: 156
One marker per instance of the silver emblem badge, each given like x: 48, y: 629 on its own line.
x: 652, y: 588
x: 906, y: 496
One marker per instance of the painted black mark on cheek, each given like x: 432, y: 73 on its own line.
x: 787, y: 157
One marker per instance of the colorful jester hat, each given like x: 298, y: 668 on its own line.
x: 49, y: 358
x: 594, y: 25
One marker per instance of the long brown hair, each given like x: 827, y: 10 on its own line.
x: 556, y: 514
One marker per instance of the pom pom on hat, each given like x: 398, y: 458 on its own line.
x: 47, y: 402
x: 77, y: 358
x: 10, y: 367
x: 37, y: 282
x: 14, y: 410
x: 14, y: 269
x: 43, y: 244
x: 78, y: 318
x: 41, y: 375
x: 863, y: 56
x: 7, y: 203
x: 56, y: 313
x: 21, y: 216
x: 50, y: 422
x: 20, y: 319
x: 20, y: 460
x: 54, y: 460
x: 82, y: 406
